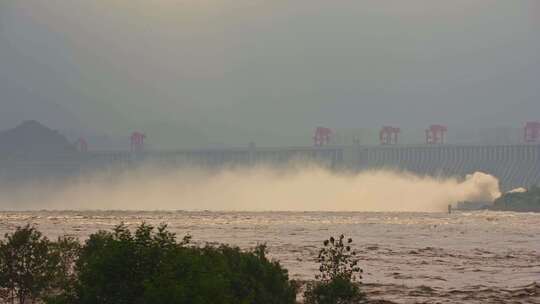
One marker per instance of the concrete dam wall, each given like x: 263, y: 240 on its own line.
x: 514, y: 165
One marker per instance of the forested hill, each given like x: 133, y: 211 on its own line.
x: 33, y: 140
x: 528, y: 201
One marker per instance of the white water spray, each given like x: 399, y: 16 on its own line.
x: 306, y: 188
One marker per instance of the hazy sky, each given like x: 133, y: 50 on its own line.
x: 210, y: 72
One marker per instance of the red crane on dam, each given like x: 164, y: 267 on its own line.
x: 82, y: 145
x: 532, y: 132
x: 435, y: 134
x: 322, y: 136
x: 137, y: 141
x: 389, y: 135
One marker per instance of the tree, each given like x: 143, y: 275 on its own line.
x: 113, y: 266
x: 142, y: 267
x: 150, y: 266
x: 223, y: 274
x: 64, y: 253
x: 339, y: 275
x: 27, y: 266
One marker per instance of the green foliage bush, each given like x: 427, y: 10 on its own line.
x: 339, y: 275
x: 220, y: 275
x: 150, y: 266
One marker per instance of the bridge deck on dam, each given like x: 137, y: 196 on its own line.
x: 514, y: 165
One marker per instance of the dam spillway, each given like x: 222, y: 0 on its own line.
x: 514, y: 165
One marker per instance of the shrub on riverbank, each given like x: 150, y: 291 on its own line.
x: 147, y: 266
x: 150, y: 265
x: 337, y: 282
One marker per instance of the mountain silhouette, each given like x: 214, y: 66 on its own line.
x: 33, y: 140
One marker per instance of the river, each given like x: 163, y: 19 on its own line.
x: 464, y: 257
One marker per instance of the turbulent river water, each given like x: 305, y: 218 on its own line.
x: 464, y: 257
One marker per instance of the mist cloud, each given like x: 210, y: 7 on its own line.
x: 262, y: 188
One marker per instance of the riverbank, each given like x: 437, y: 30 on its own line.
x: 522, y: 200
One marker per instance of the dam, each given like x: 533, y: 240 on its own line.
x: 514, y: 165
x: 26, y: 156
